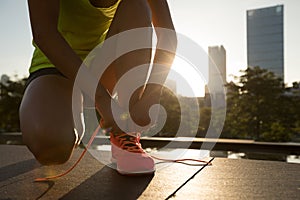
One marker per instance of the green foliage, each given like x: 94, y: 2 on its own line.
x: 205, y: 115
x: 276, y: 133
x: 184, y: 116
x: 257, y: 108
x: 11, y: 93
x: 171, y: 105
x: 296, y: 85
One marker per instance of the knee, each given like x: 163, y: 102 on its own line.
x: 52, y: 156
x: 49, y: 149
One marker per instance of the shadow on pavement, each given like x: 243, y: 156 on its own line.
x: 108, y: 184
x: 50, y: 184
x: 16, y: 169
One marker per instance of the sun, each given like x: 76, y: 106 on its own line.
x: 189, y: 80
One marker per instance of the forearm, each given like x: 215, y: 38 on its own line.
x: 163, y: 58
x: 69, y: 63
x: 166, y: 43
x: 57, y: 50
x: 44, y: 21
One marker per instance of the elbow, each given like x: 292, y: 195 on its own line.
x: 42, y: 37
x: 38, y: 36
x: 167, y: 39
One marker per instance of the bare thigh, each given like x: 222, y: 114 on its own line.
x: 47, y: 121
x: 130, y: 15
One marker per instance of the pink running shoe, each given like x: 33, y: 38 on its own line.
x: 129, y: 155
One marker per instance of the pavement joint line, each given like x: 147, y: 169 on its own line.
x: 174, y: 193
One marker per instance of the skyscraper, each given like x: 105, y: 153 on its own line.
x: 265, y: 43
x: 216, y: 67
x: 216, y: 76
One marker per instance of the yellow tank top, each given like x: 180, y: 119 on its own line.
x: 82, y: 25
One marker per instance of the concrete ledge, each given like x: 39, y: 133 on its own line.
x: 234, y: 145
x: 215, y: 144
x: 11, y: 138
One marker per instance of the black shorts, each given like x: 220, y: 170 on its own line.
x: 54, y: 71
x: 42, y: 72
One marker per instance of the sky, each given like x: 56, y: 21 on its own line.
x: 206, y: 22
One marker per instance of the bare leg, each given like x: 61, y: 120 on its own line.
x: 129, y: 15
x: 46, y: 119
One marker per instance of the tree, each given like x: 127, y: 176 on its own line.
x: 205, y: 118
x: 236, y: 123
x: 253, y: 103
x: 296, y: 85
x: 277, y: 132
x: 181, y: 113
x: 11, y: 93
x: 170, y: 103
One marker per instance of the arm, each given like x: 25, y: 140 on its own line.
x: 161, y: 19
x: 166, y: 38
x: 44, y: 20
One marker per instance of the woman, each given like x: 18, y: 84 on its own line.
x: 64, y: 32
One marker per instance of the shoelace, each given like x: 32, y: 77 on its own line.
x: 128, y: 144
x: 132, y: 144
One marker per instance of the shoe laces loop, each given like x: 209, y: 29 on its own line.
x: 129, y: 143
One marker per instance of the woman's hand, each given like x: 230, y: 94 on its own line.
x: 139, y: 111
x: 112, y: 115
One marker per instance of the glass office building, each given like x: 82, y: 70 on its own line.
x: 265, y: 43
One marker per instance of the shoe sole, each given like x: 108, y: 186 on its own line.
x: 113, y: 160
x: 139, y: 173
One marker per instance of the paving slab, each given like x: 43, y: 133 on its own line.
x: 224, y: 179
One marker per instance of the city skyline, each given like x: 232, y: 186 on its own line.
x: 224, y: 23
x: 208, y: 23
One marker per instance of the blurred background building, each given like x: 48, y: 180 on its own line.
x: 216, y: 76
x: 265, y: 39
